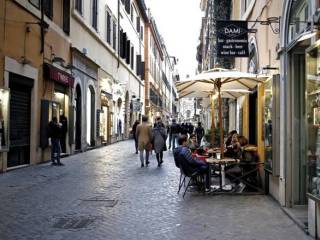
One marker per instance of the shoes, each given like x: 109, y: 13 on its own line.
x: 53, y: 163
x: 241, y: 187
x: 161, y: 161
x: 147, y: 163
x: 136, y: 152
x: 142, y: 165
x: 60, y: 164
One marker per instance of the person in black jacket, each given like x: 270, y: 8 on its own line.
x: 64, y: 130
x: 135, y: 137
x: 199, y: 132
x: 54, y: 132
x: 174, y: 133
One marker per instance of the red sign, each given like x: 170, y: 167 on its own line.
x: 58, y: 75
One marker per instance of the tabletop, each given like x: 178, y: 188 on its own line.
x: 222, y: 161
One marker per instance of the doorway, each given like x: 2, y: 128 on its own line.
x: 90, y: 116
x: 20, y: 120
x: 253, y: 118
x: 299, y: 171
x: 78, y: 117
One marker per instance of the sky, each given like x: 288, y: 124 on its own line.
x: 179, y: 23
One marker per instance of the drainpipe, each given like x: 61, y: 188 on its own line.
x: 118, y: 34
x: 42, y: 27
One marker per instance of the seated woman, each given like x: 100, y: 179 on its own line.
x: 193, y: 144
x: 234, y: 149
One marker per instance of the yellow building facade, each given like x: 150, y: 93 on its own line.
x: 34, y: 68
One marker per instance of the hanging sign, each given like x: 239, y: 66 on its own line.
x: 232, y: 38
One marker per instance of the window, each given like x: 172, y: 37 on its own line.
x: 123, y: 2
x: 132, y: 58
x: 141, y: 33
x: 108, y: 28
x: 48, y: 8
x: 244, y: 6
x: 132, y: 16
x: 299, y: 15
x: 95, y: 14
x: 138, y: 24
x: 127, y: 6
x: 114, y: 34
x: 35, y: 3
x: 78, y: 6
x: 66, y: 16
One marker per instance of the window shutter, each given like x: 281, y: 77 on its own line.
x: 48, y: 8
x: 114, y: 35
x: 138, y: 63
x: 138, y: 24
x: 127, y: 6
x: 123, y: 42
x: 128, y: 52
x: 132, y: 58
x: 66, y: 16
x: 142, y: 69
x: 95, y: 14
x: 79, y: 6
x: 108, y: 27
x: 141, y: 33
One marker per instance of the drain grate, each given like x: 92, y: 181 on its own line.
x: 73, y: 222
x: 104, y: 201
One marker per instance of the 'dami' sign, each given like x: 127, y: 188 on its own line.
x: 232, y: 38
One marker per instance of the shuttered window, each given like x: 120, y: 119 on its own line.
x: 138, y: 24
x: 95, y: 14
x: 127, y: 6
x: 141, y: 33
x: 78, y: 6
x: 66, y: 16
x: 138, y: 63
x: 114, y: 40
x: 48, y: 8
x: 108, y: 28
x: 132, y: 58
x: 127, y: 52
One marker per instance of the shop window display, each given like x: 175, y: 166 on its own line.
x: 4, y: 108
x: 268, y: 124
x: 313, y: 119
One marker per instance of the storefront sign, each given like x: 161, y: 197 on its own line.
x: 58, y: 75
x: 136, y: 106
x: 232, y: 39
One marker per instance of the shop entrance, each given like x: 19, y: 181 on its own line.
x: 78, y: 117
x: 90, y: 116
x: 20, y: 109
x: 298, y: 167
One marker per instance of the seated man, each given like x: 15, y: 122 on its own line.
x: 183, y: 158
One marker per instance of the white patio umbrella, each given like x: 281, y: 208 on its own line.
x: 224, y: 82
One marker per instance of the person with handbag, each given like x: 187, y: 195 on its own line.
x: 144, y: 135
x: 159, y: 140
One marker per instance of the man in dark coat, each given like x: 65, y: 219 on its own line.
x: 135, y: 137
x: 175, y: 130
x: 64, y: 130
x: 200, y: 133
x: 54, y: 132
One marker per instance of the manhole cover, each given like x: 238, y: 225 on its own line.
x: 102, y: 200
x: 73, y: 222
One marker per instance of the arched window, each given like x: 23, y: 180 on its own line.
x: 253, y: 58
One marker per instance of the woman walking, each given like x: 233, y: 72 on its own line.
x: 144, y: 135
x: 159, y: 140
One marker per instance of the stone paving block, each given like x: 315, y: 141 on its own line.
x: 147, y: 205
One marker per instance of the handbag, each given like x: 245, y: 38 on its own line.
x: 149, y: 147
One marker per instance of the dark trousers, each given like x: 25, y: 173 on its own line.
x: 136, y: 143
x: 199, y: 138
x: 205, y: 170
x: 55, y: 150
x: 63, y: 143
x: 159, y: 156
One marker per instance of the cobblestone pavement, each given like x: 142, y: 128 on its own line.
x: 104, y: 194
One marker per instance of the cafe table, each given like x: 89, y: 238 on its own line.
x: 222, y: 164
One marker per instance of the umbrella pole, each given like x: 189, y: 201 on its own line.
x: 220, y: 119
x: 212, y: 121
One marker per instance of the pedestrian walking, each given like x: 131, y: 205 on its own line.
x: 135, y: 137
x: 174, y: 134
x: 159, y: 140
x: 199, y: 132
x: 54, y: 133
x: 144, y: 134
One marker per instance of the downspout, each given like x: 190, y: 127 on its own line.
x: 42, y: 27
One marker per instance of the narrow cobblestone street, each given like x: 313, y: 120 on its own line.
x: 104, y: 194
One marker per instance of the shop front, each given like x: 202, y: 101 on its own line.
x: 58, y: 106
x: 105, y: 118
